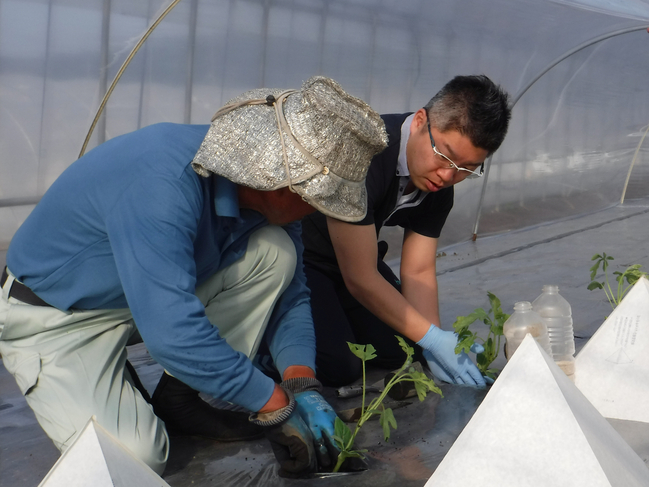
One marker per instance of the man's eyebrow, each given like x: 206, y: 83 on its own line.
x: 449, y: 151
x: 451, y: 154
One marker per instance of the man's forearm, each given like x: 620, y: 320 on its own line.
x: 421, y: 292
x: 390, y: 306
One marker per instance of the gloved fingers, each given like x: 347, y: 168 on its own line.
x: 477, y: 348
x: 488, y: 380
x: 472, y: 376
x: 459, y: 381
x: 328, y: 458
x: 436, y: 368
x: 321, y: 451
x: 295, y: 458
x: 465, y: 372
x: 317, y: 413
x: 328, y: 426
x: 292, y: 444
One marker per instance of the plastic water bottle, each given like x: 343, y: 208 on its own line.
x: 557, y: 316
x: 524, y: 320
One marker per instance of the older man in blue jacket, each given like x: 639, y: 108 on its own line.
x: 189, y: 235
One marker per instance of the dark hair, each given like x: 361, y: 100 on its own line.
x: 474, y: 106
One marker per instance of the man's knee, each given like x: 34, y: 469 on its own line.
x: 149, y: 445
x: 275, y: 249
x: 153, y: 453
x: 339, y: 370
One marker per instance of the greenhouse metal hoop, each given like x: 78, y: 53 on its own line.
x: 518, y: 96
x: 515, y: 100
x: 125, y: 64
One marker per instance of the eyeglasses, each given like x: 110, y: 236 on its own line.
x: 451, y: 164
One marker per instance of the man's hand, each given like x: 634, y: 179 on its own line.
x: 289, y: 436
x: 319, y: 416
x: 444, y: 363
x: 292, y: 444
x: 316, y: 412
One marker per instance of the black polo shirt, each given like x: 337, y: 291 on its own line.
x: 427, y: 218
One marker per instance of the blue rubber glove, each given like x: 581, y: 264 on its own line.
x: 319, y: 416
x: 445, y: 364
x: 477, y: 348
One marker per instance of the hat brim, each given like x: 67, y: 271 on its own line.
x: 335, y: 197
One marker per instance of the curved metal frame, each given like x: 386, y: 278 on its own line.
x: 518, y: 96
x: 127, y: 61
x: 635, y: 156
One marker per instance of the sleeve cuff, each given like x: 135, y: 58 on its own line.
x: 301, y: 384
x: 428, y: 339
x: 295, y: 355
x: 277, y: 417
x: 257, y: 391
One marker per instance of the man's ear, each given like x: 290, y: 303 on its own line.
x: 280, y: 194
x: 420, y: 121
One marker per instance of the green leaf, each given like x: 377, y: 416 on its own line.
x: 343, y: 434
x: 465, y: 343
x: 482, y: 315
x: 482, y: 360
x: 358, y: 350
x: 405, y: 347
x: 344, y: 455
x: 489, y: 346
x: 387, y: 420
x: 593, y: 271
x: 363, y: 352
x: 462, y: 323
x: 422, y: 390
x: 595, y: 285
x: 605, y: 262
x: 491, y: 373
x: 369, y: 352
x: 494, y: 301
x: 356, y: 453
x: 633, y: 273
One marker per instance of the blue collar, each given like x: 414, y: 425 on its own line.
x: 226, y: 199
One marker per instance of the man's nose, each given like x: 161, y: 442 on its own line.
x: 447, y: 174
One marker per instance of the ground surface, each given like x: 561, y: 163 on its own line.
x: 514, y: 266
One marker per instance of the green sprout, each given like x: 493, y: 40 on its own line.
x: 631, y: 275
x: 466, y: 337
x: 344, y: 437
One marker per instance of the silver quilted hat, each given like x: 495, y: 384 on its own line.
x: 318, y: 141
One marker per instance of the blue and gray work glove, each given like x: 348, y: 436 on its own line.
x: 445, y: 364
x: 290, y: 439
x: 318, y: 415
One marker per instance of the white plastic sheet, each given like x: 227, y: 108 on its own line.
x: 534, y: 428
x: 571, y: 141
x: 612, y: 368
x: 97, y: 459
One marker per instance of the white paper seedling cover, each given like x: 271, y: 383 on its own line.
x: 535, y: 428
x: 97, y: 459
x: 612, y: 368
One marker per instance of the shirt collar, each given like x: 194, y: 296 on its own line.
x: 402, y: 161
x: 226, y: 199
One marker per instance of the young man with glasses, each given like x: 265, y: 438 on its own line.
x: 355, y: 296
